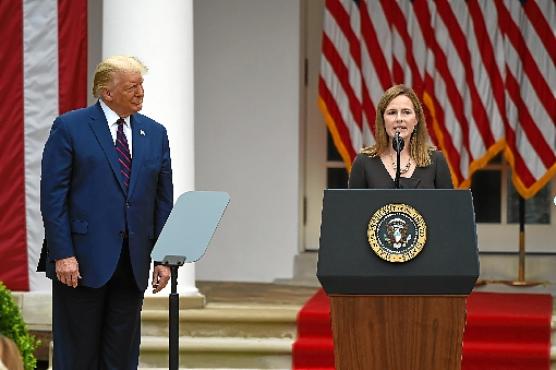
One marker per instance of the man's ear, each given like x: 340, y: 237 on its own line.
x: 106, y: 95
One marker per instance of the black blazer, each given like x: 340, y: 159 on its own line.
x: 370, y: 173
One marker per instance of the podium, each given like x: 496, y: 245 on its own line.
x: 398, y: 266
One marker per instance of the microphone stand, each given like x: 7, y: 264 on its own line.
x: 398, y: 145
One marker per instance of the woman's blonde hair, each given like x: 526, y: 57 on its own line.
x: 104, y: 73
x: 420, y: 149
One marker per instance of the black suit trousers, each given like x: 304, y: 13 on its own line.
x: 98, y: 328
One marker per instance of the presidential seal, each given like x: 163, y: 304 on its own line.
x: 397, y: 233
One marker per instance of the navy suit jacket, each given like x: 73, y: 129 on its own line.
x: 85, y: 207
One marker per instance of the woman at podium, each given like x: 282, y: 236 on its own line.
x: 400, y: 112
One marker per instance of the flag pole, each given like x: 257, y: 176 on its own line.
x: 521, y: 265
x: 521, y: 282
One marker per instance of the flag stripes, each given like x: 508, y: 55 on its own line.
x: 483, y: 69
x: 43, y: 59
x: 13, y: 255
x: 41, y: 87
x: 72, y: 54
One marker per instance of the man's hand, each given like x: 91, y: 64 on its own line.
x: 161, y: 276
x: 67, y: 271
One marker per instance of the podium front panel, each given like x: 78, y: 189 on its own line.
x: 448, y: 263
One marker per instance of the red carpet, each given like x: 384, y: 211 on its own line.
x: 503, y: 332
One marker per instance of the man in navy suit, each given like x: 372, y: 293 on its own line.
x: 106, y: 192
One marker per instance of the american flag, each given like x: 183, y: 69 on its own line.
x: 485, y: 71
x: 43, y: 59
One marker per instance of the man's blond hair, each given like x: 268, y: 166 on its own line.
x: 104, y: 73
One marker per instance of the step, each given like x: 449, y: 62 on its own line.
x: 215, y: 335
x: 160, y: 302
x: 224, y: 320
x: 219, y: 353
x: 235, y: 353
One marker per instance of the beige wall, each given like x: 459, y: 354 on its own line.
x: 247, y: 133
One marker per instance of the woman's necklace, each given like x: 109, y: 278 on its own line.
x: 404, y: 169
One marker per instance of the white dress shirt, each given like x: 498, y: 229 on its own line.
x: 112, y: 119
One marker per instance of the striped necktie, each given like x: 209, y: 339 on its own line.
x: 124, y: 157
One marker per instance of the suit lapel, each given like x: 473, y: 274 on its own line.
x: 98, y: 124
x: 140, y: 142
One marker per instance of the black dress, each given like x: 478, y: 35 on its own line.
x: 370, y: 173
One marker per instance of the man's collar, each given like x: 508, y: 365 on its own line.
x: 111, y: 116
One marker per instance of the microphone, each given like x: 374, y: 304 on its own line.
x: 398, y: 145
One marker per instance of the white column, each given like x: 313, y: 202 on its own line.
x: 160, y: 34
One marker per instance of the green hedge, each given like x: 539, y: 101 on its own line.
x: 13, y: 326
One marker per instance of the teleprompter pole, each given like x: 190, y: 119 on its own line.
x: 174, y: 262
x: 174, y: 321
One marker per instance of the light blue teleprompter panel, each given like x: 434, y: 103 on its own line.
x: 191, y: 225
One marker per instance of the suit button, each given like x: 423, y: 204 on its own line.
x: 122, y: 234
x: 127, y: 204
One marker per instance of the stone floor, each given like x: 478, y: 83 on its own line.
x: 254, y: 293
x: 265, y: 293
